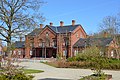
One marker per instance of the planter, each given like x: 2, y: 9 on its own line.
x: 96, y: 77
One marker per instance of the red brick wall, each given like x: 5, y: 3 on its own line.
x: 37, y: 38
x: 42, y: 35
x: 16, y: 53
x: 73, y: 38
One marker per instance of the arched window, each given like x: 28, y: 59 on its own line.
x: 40, y: 42
x: 47, y: 34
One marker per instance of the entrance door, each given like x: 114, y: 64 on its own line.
x: 40, y: 53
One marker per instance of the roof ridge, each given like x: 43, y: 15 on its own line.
x: 69, y: 25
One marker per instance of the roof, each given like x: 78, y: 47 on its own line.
x: 56, y: 29
x: 63, y: 29
x: 19, y: 44
x: 35, y: 32
x: 93, y: 41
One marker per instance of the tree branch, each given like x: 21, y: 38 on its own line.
x: 4, y: 29
x: 3, y: 39
x: 3, y: 35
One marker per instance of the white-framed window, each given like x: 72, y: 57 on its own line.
x: 40, y: 44
x: 30, y: 53
x: 77, y: 35
x: 63, y: 43
x: 75, y: 52
x: 112, y: 53
x: 47, y: 34
x: 64, y: 52
x: 101, y: 53
x: 19, y: 52
x: 32, y: 44
x: 14, y: 52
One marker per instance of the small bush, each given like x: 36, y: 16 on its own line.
x: 13, y: 72
x: 16, y: 76
x: 71, y: 59
x: 95, y: 77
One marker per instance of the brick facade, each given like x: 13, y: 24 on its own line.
x: 64, y: 41
x: 54, y: 40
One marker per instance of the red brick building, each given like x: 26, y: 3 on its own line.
x: 19, y: 51
x: 107, y: 46
x: 52, y: 40
x: 63, y: 40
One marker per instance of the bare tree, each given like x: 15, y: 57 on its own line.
x: 18, y: 17
x: 111, y: 27
x: 110, y: 24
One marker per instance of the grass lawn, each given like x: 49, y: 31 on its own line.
x: 30, y: 71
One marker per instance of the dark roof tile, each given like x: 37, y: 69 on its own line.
x: 93, y: 41
x: 19, y: 44
x: 63, y: 29
x: 35, y: 32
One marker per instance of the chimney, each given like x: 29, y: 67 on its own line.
x: 51, y: 24
x: 41, y: 26
x: 73, y: 22
x: 61, y: 23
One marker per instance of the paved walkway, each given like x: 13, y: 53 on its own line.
x: 51, y: 73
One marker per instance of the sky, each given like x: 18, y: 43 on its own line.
x: 88, y: 13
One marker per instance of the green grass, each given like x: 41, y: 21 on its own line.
x: 30, y: 71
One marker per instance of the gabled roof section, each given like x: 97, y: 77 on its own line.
x: 93, y: 42
x: 63, y: 29
x: 35, y: 32
x: 19, y: 44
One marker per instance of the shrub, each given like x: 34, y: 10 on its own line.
x: 13, y: 72
x: 95, y: 77
x: 16, y: 76
x: 71, y: 59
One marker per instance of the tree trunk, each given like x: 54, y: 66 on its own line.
x: 9, y: 46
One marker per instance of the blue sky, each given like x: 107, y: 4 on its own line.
x: 88, y: 13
